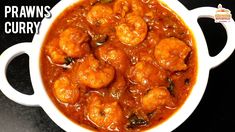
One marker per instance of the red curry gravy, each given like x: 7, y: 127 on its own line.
x: 118, y: 65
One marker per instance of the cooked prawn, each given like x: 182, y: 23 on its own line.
x: 74, y: 42
x: 118, y: 87
x: 170, y: 53
x: 95, y: 74
x: 145, y: 73
x: 104, y: 115
x: 54, y: 52
x: 122, y: 7
x: 156, y: 97
x: 100, y: 14
x: 65, y: 91
x: 133, y: 31
x: 137, y: 8
x: 116, y: 57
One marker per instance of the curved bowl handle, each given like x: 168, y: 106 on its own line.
x: 209, y: 12
x: 6, y: 88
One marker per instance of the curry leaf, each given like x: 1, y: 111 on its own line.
x: 106, y: 1
x: 68, y: 60
x: 171, y: 86
x: 135, y: 121
x: 100, y: 39
x: 187, y: 81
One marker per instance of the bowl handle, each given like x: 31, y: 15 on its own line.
x: 209, y: 12
x: 6, y: 88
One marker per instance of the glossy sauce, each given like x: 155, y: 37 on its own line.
x: 130, y: 74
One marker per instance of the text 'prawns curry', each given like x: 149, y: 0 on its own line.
x: 118, y: 65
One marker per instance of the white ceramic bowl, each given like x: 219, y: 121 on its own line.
x: 40, y: 97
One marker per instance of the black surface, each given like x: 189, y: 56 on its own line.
x: 216, y: 112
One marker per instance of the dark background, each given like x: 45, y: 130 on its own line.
x: 216, y: 111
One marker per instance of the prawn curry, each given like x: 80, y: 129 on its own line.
x: 118, y: 65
